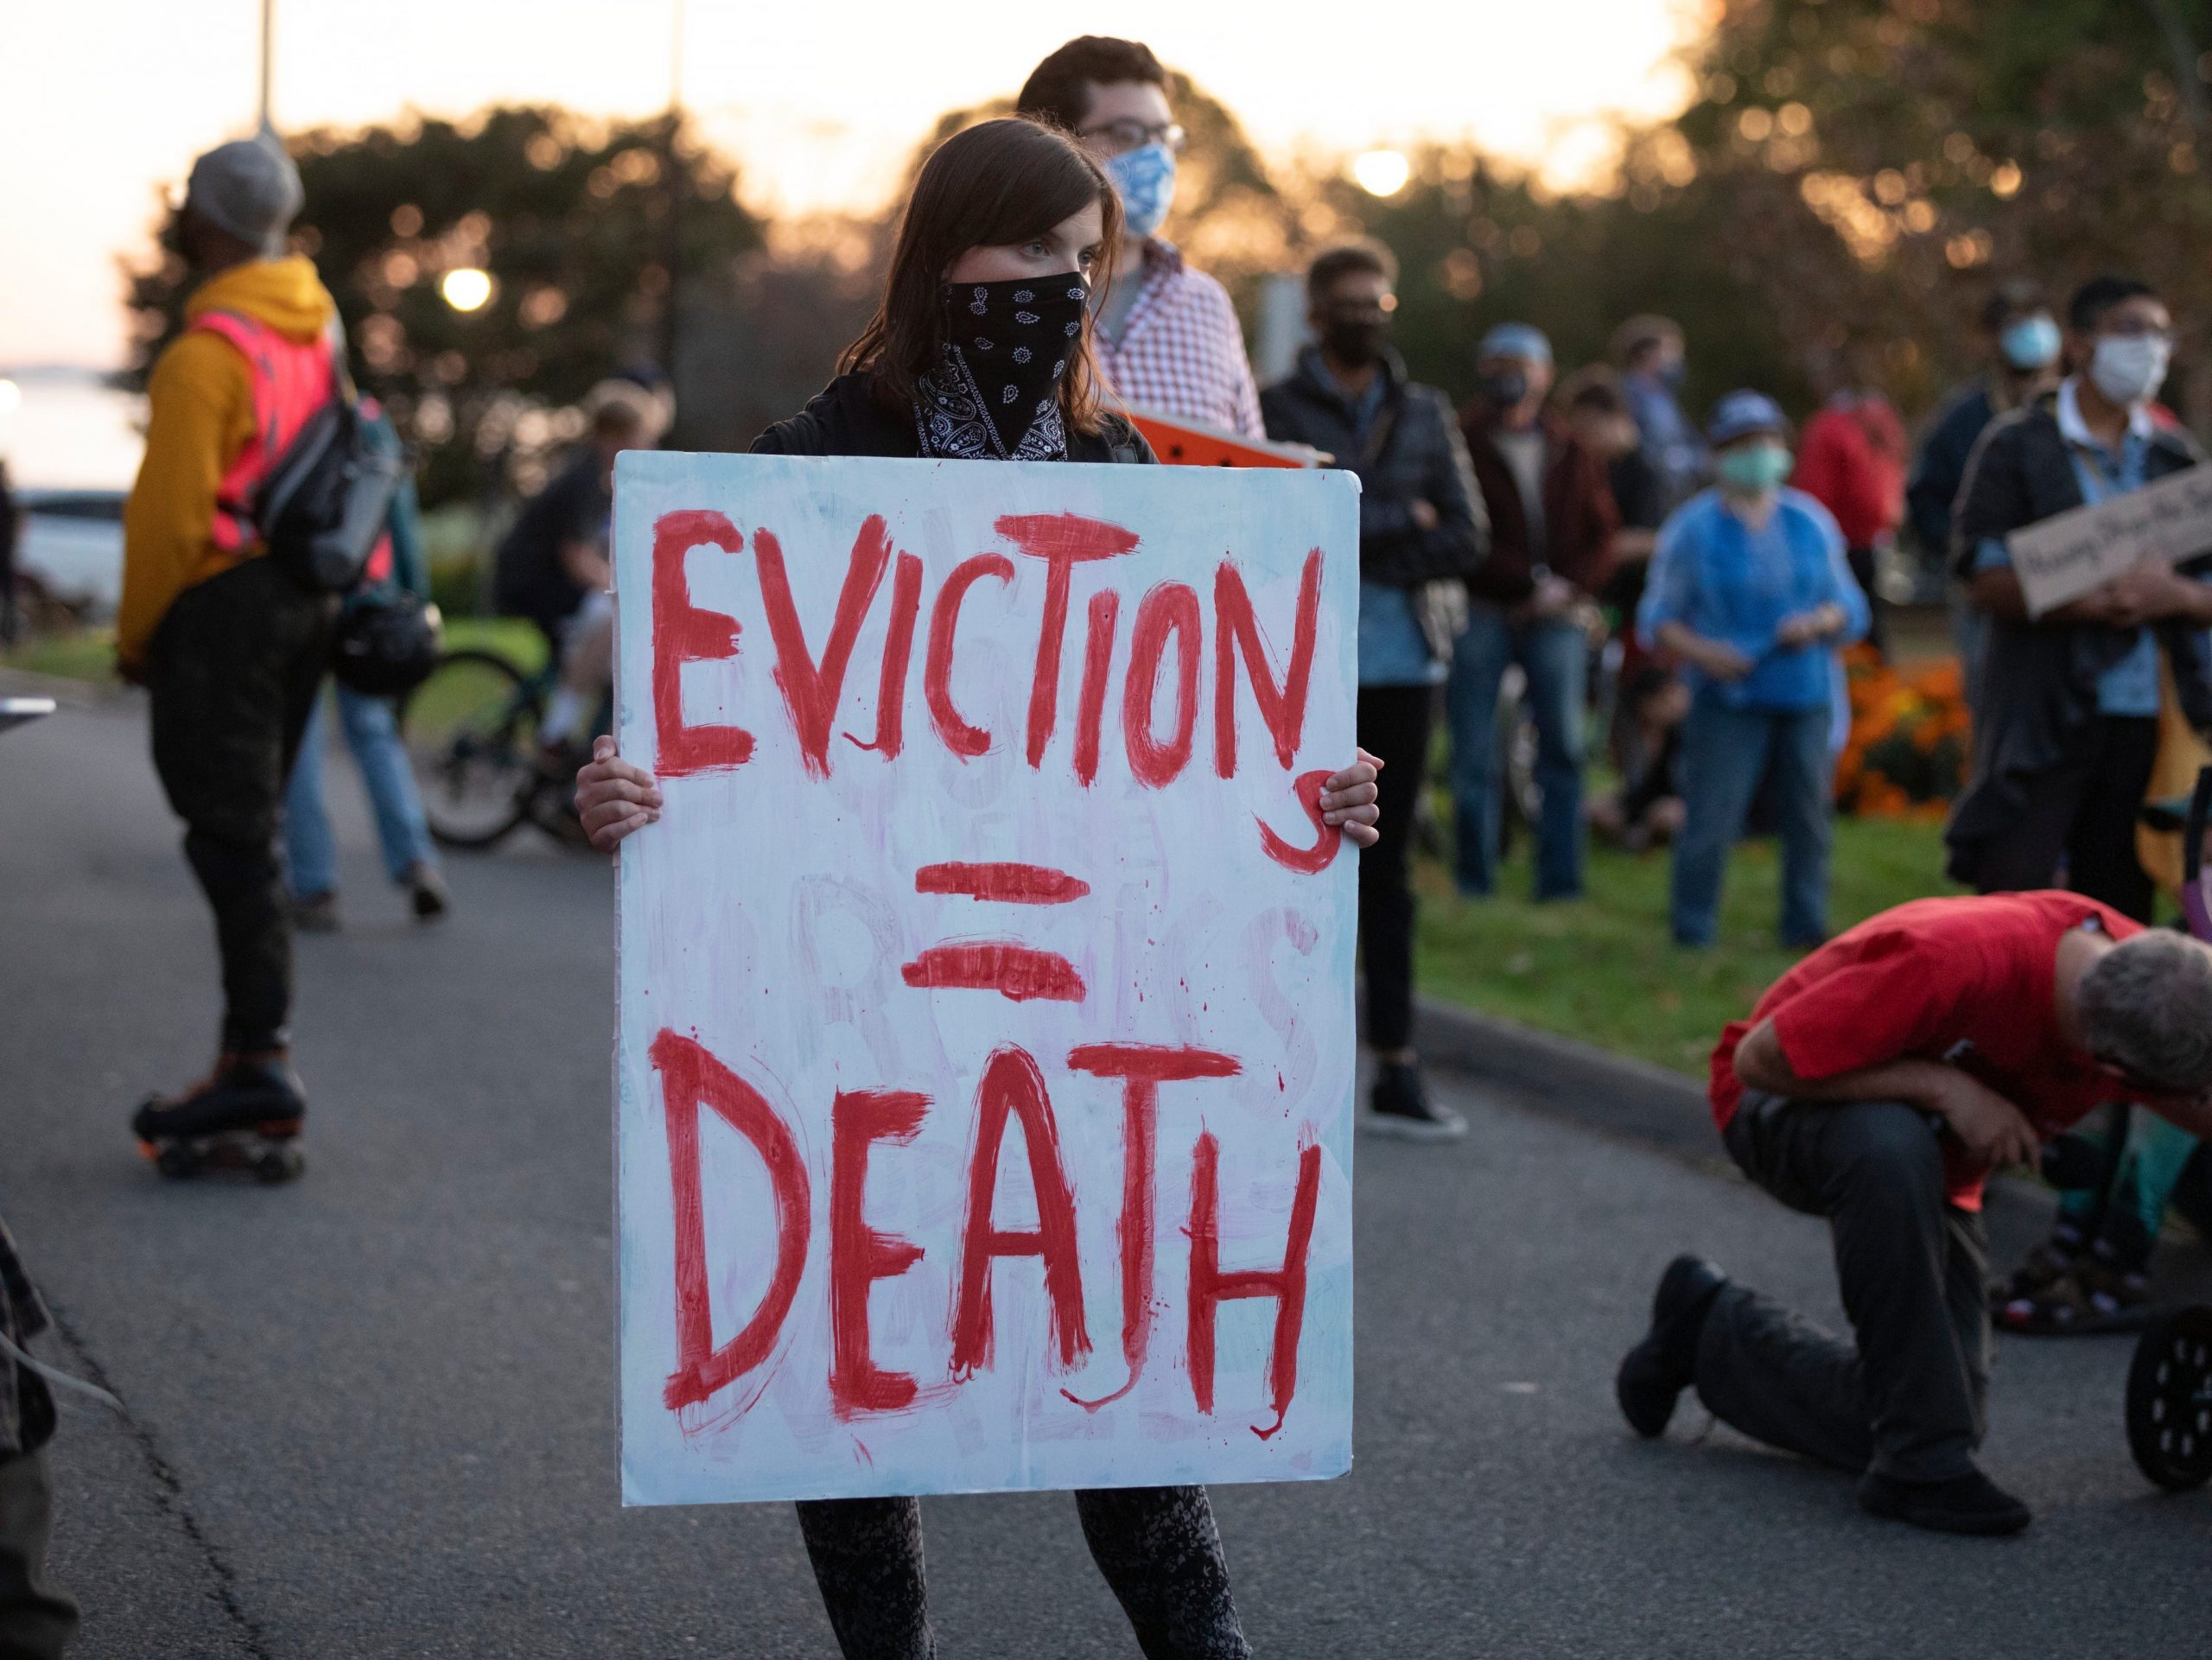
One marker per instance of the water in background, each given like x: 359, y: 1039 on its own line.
x: 67, y: 428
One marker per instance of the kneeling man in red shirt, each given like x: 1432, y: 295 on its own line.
x: 1877, y: 1085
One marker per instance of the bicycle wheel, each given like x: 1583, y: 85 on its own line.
x: 471, y: 732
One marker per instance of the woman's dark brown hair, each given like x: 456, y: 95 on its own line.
x: 991, y: 186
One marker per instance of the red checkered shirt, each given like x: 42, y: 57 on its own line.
x: 1181, y: 351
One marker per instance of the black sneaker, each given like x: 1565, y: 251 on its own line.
x: 426, y: 891
x: 1399, y: 1105
x: 1654, y: 1372
x: 1970, y: 1504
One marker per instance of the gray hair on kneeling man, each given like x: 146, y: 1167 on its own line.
x: 2146, y: 1008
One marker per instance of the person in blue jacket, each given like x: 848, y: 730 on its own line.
x: 371, y: 730
x: 1749, y: 587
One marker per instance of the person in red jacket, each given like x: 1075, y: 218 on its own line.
x: 1552, y: 523
x: 1851, y: 458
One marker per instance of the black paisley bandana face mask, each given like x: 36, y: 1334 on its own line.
x: 996, y: 394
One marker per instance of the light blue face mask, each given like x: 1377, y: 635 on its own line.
x: 2030, y: 344
x: 1753, y: 470
x: 1144, y: 178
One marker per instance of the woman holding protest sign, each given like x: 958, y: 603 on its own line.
x: 982, y: 350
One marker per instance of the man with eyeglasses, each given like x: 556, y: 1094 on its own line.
x: 1878, y: 1084
x: 1167, y: 337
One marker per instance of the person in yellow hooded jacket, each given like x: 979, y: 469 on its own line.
x: 230, y: 647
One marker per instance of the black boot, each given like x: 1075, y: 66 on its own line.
x: 1970, y: 1504
x: 1661, y: 1367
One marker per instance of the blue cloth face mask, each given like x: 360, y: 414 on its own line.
x: 1144, y: 178
x: 2030, y: 344
x: 1753, y: 470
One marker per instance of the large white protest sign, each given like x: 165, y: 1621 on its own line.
x: 983, y: 1099
x: 2068, y: 554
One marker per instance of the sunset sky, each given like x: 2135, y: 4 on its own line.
x: 106, y: 101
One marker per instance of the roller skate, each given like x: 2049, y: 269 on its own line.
x: 245, y: 1116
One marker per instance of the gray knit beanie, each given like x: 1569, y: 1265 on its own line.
x: 250, y: 189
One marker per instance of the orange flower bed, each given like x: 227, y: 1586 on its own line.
x: 1909, y: 747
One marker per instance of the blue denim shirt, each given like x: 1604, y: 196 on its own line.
x: 2130, y: 687
x: 1718, y: 577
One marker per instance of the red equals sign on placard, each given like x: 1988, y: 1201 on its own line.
x: 1016, y: 971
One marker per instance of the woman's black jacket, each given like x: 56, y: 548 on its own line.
x: 844, y: 418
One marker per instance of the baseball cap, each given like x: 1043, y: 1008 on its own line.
x: 1741, y: 413
x: 1521, y: 341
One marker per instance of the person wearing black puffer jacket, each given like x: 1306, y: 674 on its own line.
x: 1009, y: 227
x: 846, y: 418
x: 1422, y: 533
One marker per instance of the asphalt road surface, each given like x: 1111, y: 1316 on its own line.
x: 371, y: 1414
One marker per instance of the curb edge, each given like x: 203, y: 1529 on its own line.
x: 1566, y: 1078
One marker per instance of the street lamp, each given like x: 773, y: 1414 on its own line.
x: 267, y: 29
x: 465, y: 288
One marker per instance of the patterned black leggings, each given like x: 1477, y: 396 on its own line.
x: 1158, y: 1548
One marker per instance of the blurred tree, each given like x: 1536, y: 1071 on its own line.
x: 1231, y: 219
x: 1886, y: 161
x: 758, y: 353
x: 1478, y: 247
x: 566, y: 219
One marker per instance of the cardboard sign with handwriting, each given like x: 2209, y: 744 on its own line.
x: 2068, y: 554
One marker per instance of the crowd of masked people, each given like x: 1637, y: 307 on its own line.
x: 1876, y: 1084
x: 1880, y: 1082
x: 1732, y: 563
x: 1522, y: 528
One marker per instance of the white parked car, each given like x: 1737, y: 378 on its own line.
x: 71, y: 544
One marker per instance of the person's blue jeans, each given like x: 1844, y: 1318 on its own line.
x: 1726, y: 753
x: 1554, y: 656
x: 371, y: 729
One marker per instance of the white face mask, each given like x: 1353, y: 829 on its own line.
x: 2129, y: 368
